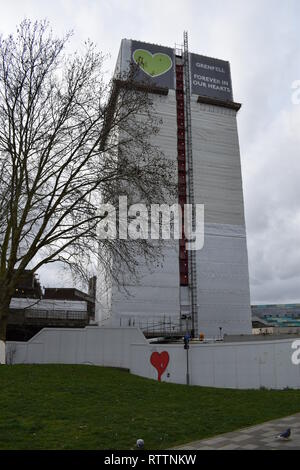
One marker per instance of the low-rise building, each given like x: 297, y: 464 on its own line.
x: 33, y: 308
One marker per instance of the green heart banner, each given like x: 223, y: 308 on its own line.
x: 153, y: 65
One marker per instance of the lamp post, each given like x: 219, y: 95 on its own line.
x: 221, y: 336
x: 187, y: 347
x: 186, y: 340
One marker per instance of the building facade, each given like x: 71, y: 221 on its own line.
x: 206, y: 291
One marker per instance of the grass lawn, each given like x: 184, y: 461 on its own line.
x: 86, y: 407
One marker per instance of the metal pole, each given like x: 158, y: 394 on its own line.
x: 187, y: 368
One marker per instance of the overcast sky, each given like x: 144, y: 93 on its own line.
x: 261, y: 40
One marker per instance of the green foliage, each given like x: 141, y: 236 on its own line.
x: 87, y: 407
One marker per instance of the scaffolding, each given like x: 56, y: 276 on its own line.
x: 191, y: 197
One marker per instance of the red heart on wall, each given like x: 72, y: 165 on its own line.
x: 160, y: 361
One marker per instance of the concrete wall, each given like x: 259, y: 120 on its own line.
x: 237, y: 365
x: 242, y: 365
x: 91, y: 345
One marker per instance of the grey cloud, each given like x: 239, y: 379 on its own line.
x: 261, y: 40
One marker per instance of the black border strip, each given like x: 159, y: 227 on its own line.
x: 223, y: 104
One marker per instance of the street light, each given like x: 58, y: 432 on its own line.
x: 187, y: 347
x: 186, y: 339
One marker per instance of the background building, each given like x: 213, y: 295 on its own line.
x: 208, y: 290
x: 33, y: 308
x: 280, y: 319
x: 276, y: 311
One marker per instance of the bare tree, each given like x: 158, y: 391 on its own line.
x: 67, y: 141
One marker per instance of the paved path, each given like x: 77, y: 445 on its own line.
x: 261, y: 437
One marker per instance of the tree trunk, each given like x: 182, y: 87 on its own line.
x: 4, y: 312
x: 6, y: 293
x: 5, y: 298
x: 3, y: 326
